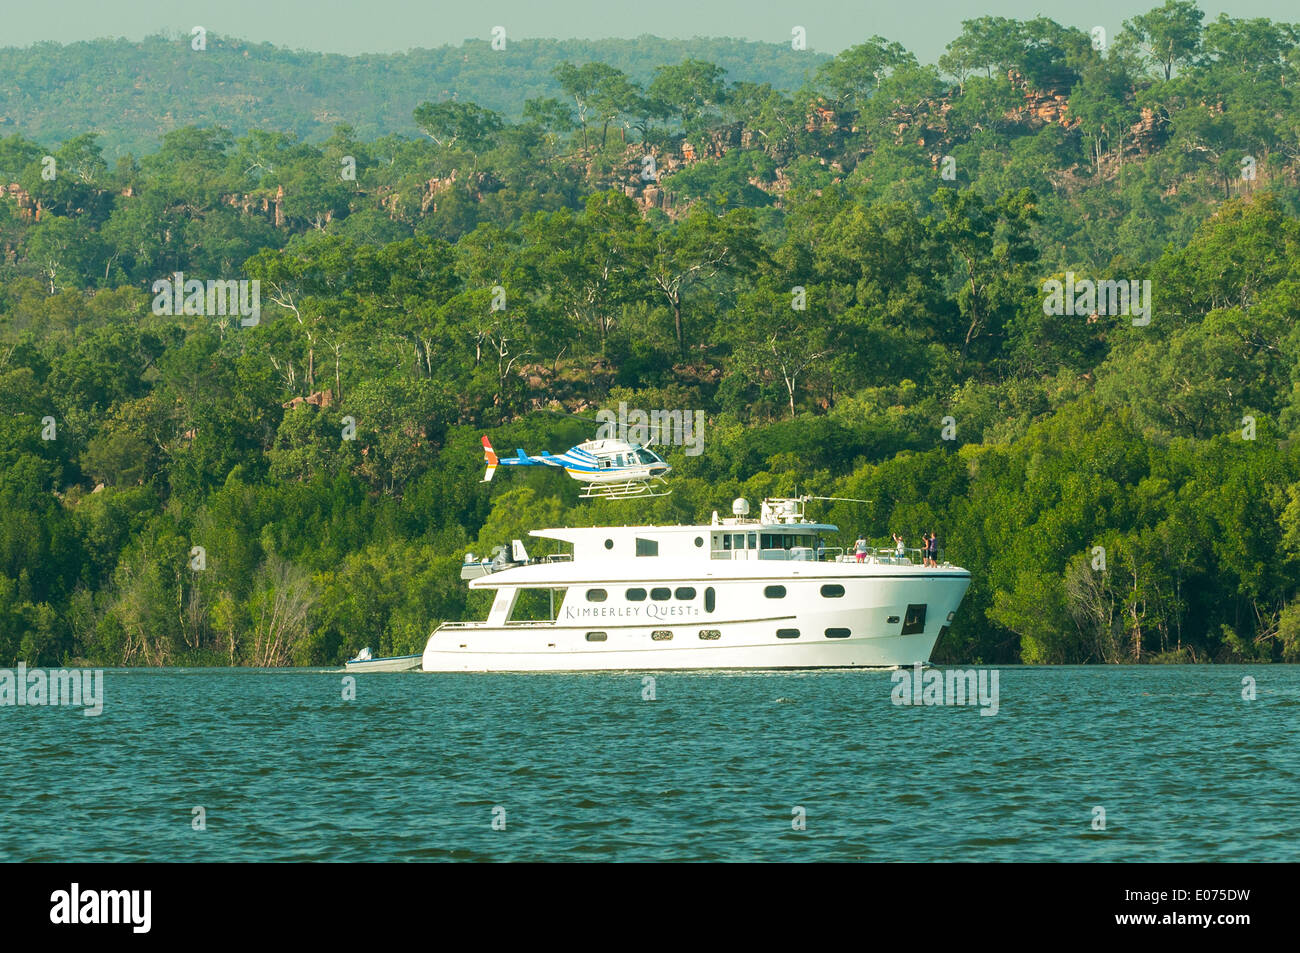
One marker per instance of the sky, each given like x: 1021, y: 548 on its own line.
x: 378, y: 26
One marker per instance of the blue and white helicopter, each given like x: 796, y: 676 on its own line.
x: 609, y: 469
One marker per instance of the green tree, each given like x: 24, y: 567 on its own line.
x: 1169, y: 35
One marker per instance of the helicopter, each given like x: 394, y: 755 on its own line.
x: 609, y: 469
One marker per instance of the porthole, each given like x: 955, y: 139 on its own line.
x: 832, y: 590
x: 710, y: 635
x: 699, y: 542
x: 597, y: 595
x: 838, y: 633
x: 892, y: 619
x: 661, y: 635
x: 609, y: 544
x: 787, y: 633
x: 710, y: 599
x: 596, y: 636
x: 684, y: 593
x: 774, y: 592
x: 661, y: 593
x: 636, y: 595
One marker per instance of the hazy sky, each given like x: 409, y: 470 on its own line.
x: 357, y: 26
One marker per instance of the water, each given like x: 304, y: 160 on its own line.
x: 710, y: 770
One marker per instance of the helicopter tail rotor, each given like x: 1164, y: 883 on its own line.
x: 490, y: 457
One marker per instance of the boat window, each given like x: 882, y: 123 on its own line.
x: 709, y: 600
x: 661, y: 593
x: 661, y: 635
x: 699, y: 541
x: 787, y: 633
x: 892, y: 619
x: 914, y: 620
x: 753, y: 540
x: 533, y: 604
x: 685, y: 593
x: 738, y: 541
x: 597, y: 595
x: 647, y: 547
x: 636, y: 595
x: 832, y: 590
x: 838, y: 633
x: 596, y: 636
x: 609, y: 544
x: 726, y: 540
x: 774, y: 592
x: 710, y: 635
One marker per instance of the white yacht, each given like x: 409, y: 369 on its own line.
x: 737, y: 593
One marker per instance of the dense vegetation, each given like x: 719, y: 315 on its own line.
x: 510, y: 277
x: 134, y: 92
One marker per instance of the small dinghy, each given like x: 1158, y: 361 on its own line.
x: 366, y: 662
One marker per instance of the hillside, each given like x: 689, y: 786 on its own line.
x: 861, y: 285
x: 132, y: 93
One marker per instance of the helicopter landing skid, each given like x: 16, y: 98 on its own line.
x: 631, y: 490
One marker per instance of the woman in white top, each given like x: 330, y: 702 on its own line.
x: 860, y: 547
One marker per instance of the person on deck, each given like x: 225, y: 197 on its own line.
x: 860, y: 548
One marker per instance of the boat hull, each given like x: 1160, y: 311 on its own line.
x: 805, y: 632
x: 404, y: 663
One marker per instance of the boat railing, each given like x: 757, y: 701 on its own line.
x: 798, y: 553
x: 876, y: 555
x: 885, y: 556
x: 826, y: 554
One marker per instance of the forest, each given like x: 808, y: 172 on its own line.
x: 848, y: 273
x: 132, y: 93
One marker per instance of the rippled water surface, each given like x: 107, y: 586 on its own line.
x: 710, y: 769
